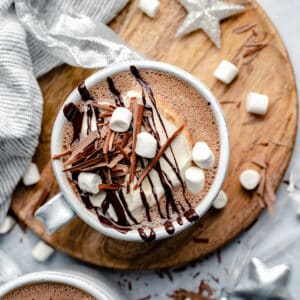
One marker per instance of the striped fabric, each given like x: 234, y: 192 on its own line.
x: 22, y: 59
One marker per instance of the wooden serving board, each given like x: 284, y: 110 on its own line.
x: 263, y: 69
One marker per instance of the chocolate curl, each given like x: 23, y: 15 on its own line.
x: 137, y: 125
x: 81, y: 147
x: 161, y: 151
x: 62, y: 154
x: 106, y: 143
x: 109, y: 186
x: 104, y: 106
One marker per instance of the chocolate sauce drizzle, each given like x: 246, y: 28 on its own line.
x: 84, y: 92
x: 146, y: 88
x: 74, y: 116
x: 116, y: 94
x: 116, y: 198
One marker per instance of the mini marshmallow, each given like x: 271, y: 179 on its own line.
x: 7, y: 224
x: 89, y: 182
x: 257, y: 103
x: 195, y: 179
x: 97, y: 199
x: 249, y: 179
x: 120, y: 119
x: 149, y: 7
x: 131, y: 95
x: 32, y: 175
x: 146, y: 145
x: 41, y: 251
x: 203, y: 156
x: 221, y: 200
x: 226, y: 71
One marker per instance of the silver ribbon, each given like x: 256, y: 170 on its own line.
x: 71, y: 37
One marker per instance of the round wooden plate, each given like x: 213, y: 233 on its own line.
x: 264, y: 68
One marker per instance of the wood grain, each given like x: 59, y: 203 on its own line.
x: 267, y: 70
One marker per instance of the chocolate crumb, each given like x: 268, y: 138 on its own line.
x: 129, y: 285
x: 287, y: 182
x: 215, y: 279
x: 145, y: 298
x: 196, y: 274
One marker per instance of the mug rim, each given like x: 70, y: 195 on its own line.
x: 203, y: 206
x: 83, y: 282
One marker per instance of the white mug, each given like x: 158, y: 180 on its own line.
x: 85, y: 283
x: 65, y: 206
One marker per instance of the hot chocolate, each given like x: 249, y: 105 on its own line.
x: 47, y: 291
x: 127, y: 145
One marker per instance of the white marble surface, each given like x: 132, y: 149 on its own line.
x: 282, y: 229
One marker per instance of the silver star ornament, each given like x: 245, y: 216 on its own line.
x: 265, y: 283
x: 206, y: 15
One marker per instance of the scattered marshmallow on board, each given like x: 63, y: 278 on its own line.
x: 149, y: 7
x: 7, y: 224
x: 195, y: 179
x: 202, y: 156
x: 220, y: 201
x: 42, y: 251
x: 31, y: 175
x: 120, y: 120
x: 257, y: 103
x: 249, y: 179
x: 226, y: 72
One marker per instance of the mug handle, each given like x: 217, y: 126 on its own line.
x: 55, y: 213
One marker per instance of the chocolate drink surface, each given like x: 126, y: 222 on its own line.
x: 135, y: 191
x: 47, y: 291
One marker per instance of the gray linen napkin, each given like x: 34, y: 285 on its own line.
x: 35, y: 36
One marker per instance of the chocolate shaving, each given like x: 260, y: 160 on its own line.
x: 254, y: 50
x: 200, y: 240
x: 261, y: 188
x: 81, y: 147
x: 104, y: 131
x: 62, y: 154
x: 259, y: 161
x: 264, y: 143
x: 103, y: 106
x: 269, y: 196
x: 123, y: 152
x: 111, y: 140
x: 109, y: 186
x: 137, y: 125
x: 227, y: 102
x: 158, y: 155
x: 107, y: 141
x: 243, y: 28
x: 250, y: 58
x: 93, y: 167
x: 85, y: 164
x: 125, y: 139
x: 145, y: 298
x: 251, y: 44
x: 120, y: 168
x: 106, y: 115
x: 279, y: 144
